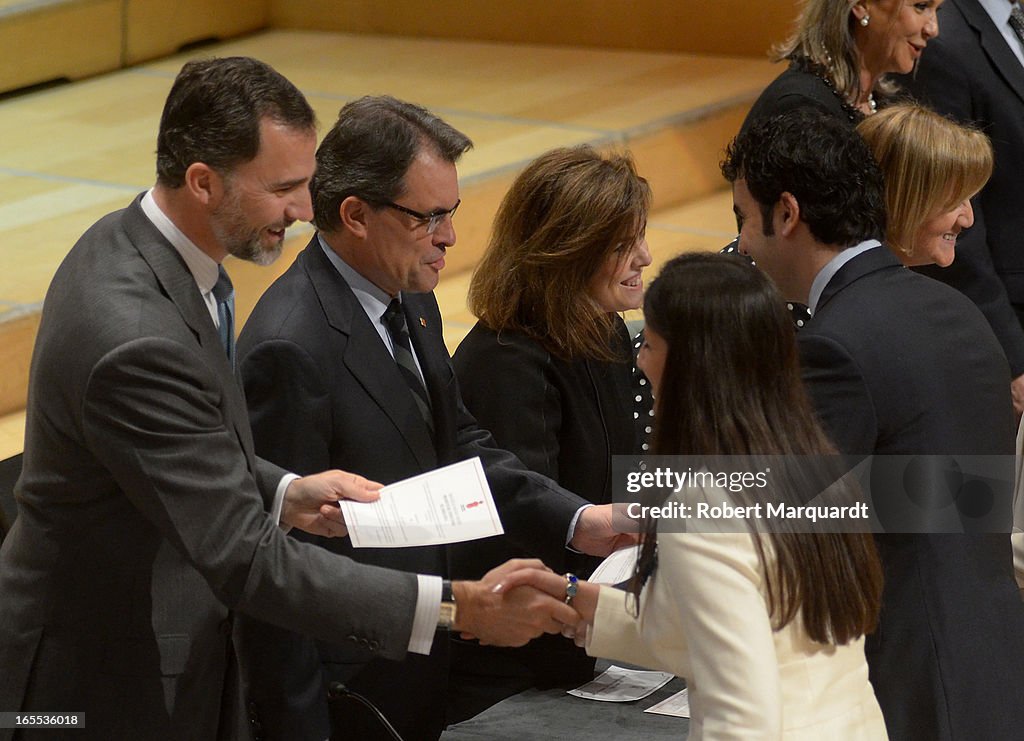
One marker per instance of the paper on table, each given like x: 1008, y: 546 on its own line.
x: 447, y: 505
x: 622, y: 685
x: 617, y: 568
x: 678, y: 705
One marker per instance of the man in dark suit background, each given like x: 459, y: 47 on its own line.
x: 144, y: 517
x: 330, y: 384
x: 897, y: 364
x: 974, y: 72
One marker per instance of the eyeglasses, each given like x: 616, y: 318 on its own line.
x: 432, y: 220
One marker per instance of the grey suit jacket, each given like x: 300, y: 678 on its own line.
x: 970, y: 73
x: 142, y: 519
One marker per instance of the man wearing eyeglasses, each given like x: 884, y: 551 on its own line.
x: 345, y: 365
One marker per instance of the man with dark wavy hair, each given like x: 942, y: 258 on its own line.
x: 897, y: 364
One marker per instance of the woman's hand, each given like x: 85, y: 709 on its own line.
x: 585, y: 601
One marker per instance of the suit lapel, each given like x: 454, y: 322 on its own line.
x: 180, y: 286
x: 994, y: 45
x: 365, y: 355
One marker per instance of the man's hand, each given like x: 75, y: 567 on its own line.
x: 1017, y: 392
x: 585, y: 602
x: 510, y: 616
x: 311, y: 502
x: 596, y: 533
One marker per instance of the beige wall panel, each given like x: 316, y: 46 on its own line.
x: 12, y: 434
x: 17, y: 336
x: 474, y: 227
x: 69, y: 39
x: 698, y: 26
x: 681, y: 161
x: 154, y: 28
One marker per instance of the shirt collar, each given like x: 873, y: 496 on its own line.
x: 999, y: 10
x: 202, y: 266
x: 373, y: 299
x: 832, y: 267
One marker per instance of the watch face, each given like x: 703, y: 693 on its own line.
x: 447, y: 617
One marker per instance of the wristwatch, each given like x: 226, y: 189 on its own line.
x: 449, y: 610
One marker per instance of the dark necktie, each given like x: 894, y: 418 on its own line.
x: 224, y: 292
x: 394, y: 321
x: 1017, y: 21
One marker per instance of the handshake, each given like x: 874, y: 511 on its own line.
x: 515, y: 602
x: 521, y: 599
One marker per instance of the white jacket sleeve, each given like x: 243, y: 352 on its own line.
x: 703, y: 615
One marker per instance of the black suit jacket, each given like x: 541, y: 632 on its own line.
x: 324, y: 391
x: 970, y: 73
x: 900, y: 364
x: 142, y: 519
x: 564, y: 419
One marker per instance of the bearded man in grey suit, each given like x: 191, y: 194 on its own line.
x: 143, y: 511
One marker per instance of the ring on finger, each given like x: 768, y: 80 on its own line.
x: 571, y: 587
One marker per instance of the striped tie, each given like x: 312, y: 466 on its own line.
x: 394, y: 321
x: 1017, y: 21
x: 224, y: 292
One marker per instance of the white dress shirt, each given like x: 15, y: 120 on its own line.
x: 999, y: 12
x: 832, y: 267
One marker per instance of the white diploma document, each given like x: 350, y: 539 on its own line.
x: 447, y: 505
x: 677, y: 706
x: 617, y: 568
x: 617, y: 684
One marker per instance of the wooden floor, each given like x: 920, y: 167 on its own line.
x: 76, y: 152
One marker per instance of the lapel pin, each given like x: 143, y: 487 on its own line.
x: 423, y: 322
